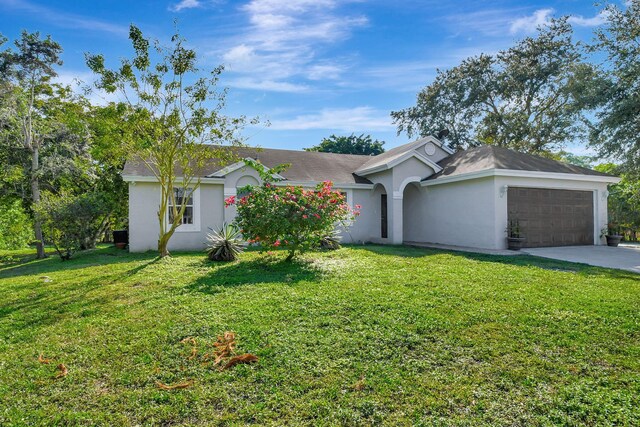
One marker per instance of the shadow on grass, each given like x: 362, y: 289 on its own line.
x: 515, y: 260
x: 254, y: 272
x: 13, y: 266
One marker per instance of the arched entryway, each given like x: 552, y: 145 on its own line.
x: 412, y: 215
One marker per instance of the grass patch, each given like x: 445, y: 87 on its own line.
x: 359, y: 336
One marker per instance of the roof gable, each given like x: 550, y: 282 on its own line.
x: 399, y: 154
x: 489, y: 157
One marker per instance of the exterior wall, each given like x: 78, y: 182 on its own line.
x: 599, y: 190
x: 144, y: 200
x: 459, y: 213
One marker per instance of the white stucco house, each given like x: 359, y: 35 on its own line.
x: 418, y: 192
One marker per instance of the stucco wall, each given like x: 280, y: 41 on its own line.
x: 458, y: 213
x: 144, y: 200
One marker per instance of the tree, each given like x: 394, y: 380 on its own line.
x: 531, y: 97
x: 624, y: 201
x: 71, y: 223
x: 362, y: 144
x: 170, y: 124
x: 617, y: 131
x: 26, y: 73
x: 16, y: 230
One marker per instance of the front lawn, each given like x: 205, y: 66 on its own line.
x: 360, y: 336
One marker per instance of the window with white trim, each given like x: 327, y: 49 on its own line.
x: 180, y: 194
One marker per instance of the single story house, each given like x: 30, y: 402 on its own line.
x: 418, y: 192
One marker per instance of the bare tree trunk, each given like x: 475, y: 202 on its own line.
x: 35, y: 197
x: 163, y: 245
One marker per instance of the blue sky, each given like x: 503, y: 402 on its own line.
x: 311, y: 67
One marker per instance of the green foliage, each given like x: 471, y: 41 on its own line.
x: 25, y: 75
x: 617, y: 131
x: 173, y: 115
x: 624, y: 201
x: 352, y: 144
x: 532, y: 97
x: 290, y: 216
x: 225, y: 244
x: 16, y: 229
x: 72, y: 223
x: 575, y: 159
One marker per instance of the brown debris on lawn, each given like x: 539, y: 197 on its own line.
x: 63, y: 371
x: 177, y: 386
x: 43, y: 360
x: 225, y: 346
x: 360, y: 384
x: 194, y: 349
x: 243, y: 358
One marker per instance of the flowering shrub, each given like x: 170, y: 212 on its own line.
x: 290, y: 217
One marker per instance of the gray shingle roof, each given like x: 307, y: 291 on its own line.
x: 487, y: 157
x: 305, y: 165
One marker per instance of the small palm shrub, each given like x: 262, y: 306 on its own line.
x: 331, y: 240
x: 225, y: 244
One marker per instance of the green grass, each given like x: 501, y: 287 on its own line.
x: 440, y: 338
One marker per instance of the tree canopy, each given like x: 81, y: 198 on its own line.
x: 616, y: 132
x: 352, y: 144
x: 173, y: 116
x: 531, y: 97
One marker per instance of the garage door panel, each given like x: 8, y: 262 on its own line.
x: 550, y: 217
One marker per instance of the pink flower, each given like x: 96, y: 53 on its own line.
x: 276, y: 243
x: 305, y: 216
x: 357, y: 206
x: 229, y: 201
x: 316, y: 215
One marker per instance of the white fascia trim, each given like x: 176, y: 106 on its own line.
x: 238, y: 165
x: 522, y: 174
x: 398, y: 160
x: 136, y: 178
x: 336, y: 185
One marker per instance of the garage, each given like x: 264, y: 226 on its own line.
x: 550, y: 217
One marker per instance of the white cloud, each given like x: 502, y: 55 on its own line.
x: 595, y: 21
x: 185, y: 4
x: 340, y: 119
x: 529, y: 24
x: 488, y: 22
x: 266, y: 85
x: 65, y: 19
x: 280, y: 46
x: 325, y: 72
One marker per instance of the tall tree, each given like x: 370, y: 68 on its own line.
x: 352, y: 144
x: 174, y: 115
x: 531, y: 97
x: 27, y: 71
x: 617, y: 132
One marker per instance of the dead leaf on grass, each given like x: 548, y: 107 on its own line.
x: 191, y: 340
x: 174, y: 386
x: 243, y: 358
x: 43, y: 360
x: 360, y: 384
x: 63, y: 371
x: 225, y: 346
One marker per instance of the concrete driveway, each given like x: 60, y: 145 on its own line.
x: 624, y: 257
